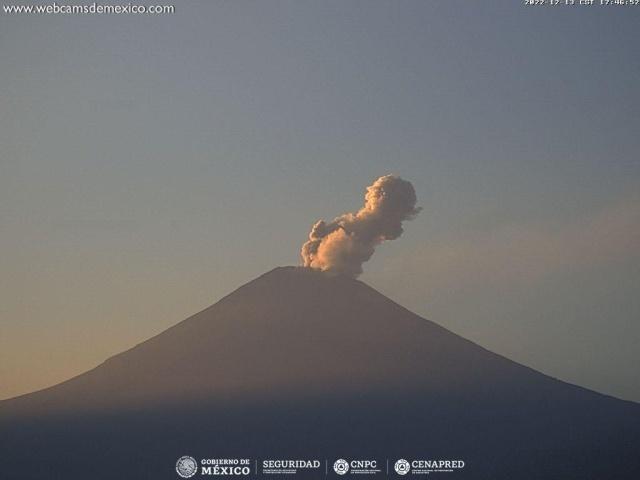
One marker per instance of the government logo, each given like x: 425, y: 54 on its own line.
x: 186, y: 466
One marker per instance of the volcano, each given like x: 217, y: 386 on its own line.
x: 303, y: 365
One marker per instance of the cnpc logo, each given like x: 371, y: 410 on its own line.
x: 342, y: 466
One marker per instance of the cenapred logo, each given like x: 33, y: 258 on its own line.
x: 341, y: 466
x: 186, y: 466
x: 402, y: 467
x: 425, y: 467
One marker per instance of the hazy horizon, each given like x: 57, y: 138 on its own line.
x: 151, y: 165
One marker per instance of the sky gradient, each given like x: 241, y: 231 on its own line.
x: 151, y: 164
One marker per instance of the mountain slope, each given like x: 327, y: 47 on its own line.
x: 332, y: 367
x: 291, y: 332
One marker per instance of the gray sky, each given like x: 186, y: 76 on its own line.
x: 151, y: 164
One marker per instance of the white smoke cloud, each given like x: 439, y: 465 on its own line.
x: 342, y: 246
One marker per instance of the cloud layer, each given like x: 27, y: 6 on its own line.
x: 342, y: 246
x: 525, y: 252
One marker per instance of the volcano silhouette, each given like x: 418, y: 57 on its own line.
x: 300, y: 364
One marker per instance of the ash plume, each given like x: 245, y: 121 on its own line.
x: 342, y: 246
